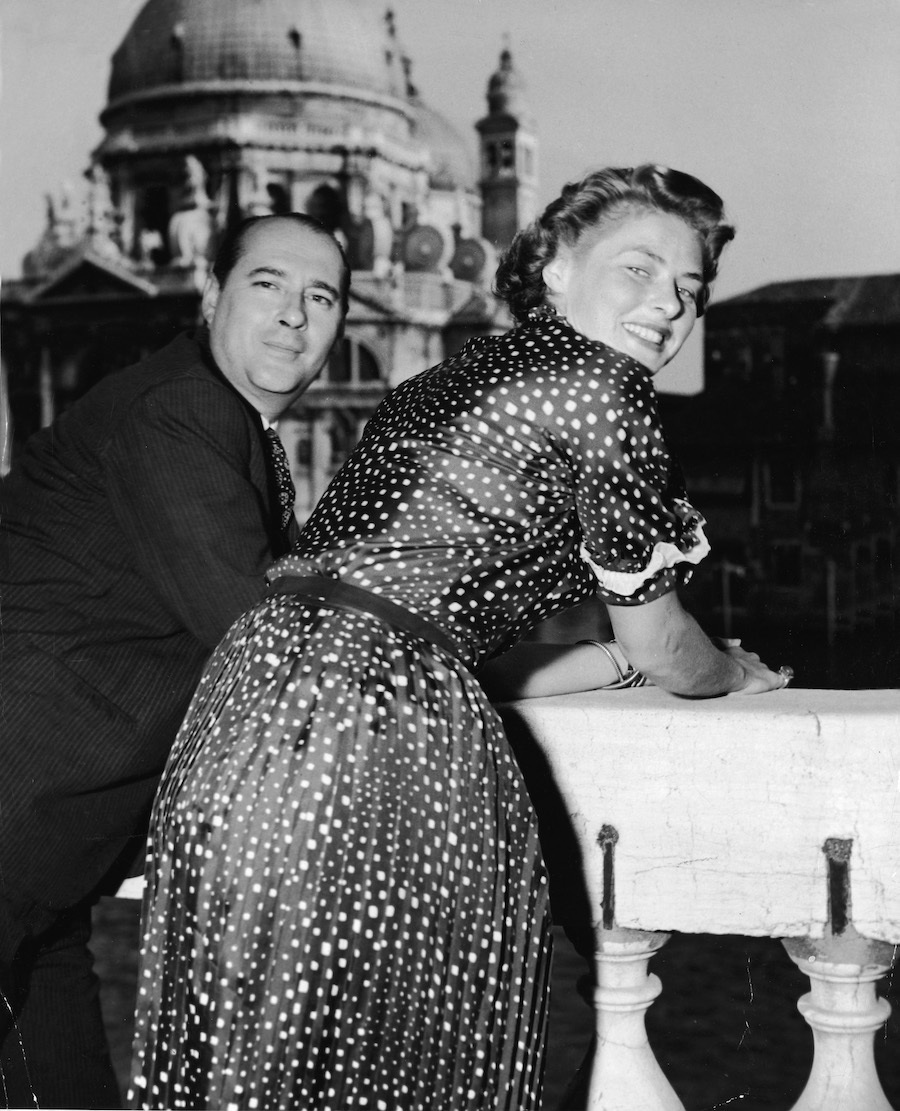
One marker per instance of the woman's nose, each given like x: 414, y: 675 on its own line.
x: 667, y: 299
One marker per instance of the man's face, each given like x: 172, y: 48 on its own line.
x: 274, y: 321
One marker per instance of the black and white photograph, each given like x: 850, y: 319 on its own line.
x: 450, y: 555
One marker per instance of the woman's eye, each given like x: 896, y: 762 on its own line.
x: 638, y: 270
x: 688, y: 294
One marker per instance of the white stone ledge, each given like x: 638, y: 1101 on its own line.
x: 722, y: 806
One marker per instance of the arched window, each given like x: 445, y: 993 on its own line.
x: 326, y: 205
x: 154, y: 213
x: 352, y: 364
x: 280, y: 199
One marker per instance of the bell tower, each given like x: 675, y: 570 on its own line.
x: 508, y: 149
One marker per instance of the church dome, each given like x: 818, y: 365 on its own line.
x: 190, y: 42
x: 451, y: 161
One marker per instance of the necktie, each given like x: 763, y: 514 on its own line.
x: 285, y: 487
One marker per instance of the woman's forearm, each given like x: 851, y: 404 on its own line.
x: 670, y: 648
x: 536, y: 670
x: 660, y: 639
x: 686, y: 662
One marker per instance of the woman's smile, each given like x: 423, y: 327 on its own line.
x: 634, y: 287
x: 653, y: 335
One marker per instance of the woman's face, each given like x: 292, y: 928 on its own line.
x: 634, y: 288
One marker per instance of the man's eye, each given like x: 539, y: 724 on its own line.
x: 263, y: 284
x: 639, y: 270
x: 322, y: 299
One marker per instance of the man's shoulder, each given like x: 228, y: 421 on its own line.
x: 182, y: 360
x: 180, y: 374
x: 176, y: 392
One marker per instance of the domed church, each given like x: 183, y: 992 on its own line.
x: 221, y: 109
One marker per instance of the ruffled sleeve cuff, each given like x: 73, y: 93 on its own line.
x: 691, y: 547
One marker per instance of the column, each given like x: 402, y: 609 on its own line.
x: 626, y: 1075
x: 45, y: 378
x: 6, y: 429
x: 320, y: 461
x: 844, y: 1013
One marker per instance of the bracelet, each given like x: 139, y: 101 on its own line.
x: 630, y: 677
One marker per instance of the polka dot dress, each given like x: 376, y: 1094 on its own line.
x: 346, y: 904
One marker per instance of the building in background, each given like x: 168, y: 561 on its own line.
x: 220, y: 111
x: 793, y: 451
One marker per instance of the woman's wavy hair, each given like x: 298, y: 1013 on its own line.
x: 587, y: 206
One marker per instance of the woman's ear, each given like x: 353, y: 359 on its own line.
x: 556, y: 279
x: 555, y: 274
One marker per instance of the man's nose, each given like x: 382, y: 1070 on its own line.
x: 293, y: 312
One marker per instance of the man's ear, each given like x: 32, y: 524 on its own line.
x: 210, y: 298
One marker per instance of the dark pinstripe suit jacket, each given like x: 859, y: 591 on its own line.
x: 132, y: 533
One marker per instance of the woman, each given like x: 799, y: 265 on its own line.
x: 346, y: 901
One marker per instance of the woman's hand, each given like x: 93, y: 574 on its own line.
x: 758, y: 678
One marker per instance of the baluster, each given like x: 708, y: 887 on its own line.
x: 844, y: 1013
x: 842, y: 1007
x: 626, y: 1075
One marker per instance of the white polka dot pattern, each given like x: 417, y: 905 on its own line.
x: 346, y: 903
x: 477, y: 482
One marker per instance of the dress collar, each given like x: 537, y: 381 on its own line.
x: 545, y: 318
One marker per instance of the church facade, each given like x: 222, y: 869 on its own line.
x: 217, y: 112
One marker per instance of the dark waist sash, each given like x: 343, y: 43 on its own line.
x: 320, y: 590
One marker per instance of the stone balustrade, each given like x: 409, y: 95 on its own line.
x: 774, y: 815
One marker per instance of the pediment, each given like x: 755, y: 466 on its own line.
x: 84, y: 274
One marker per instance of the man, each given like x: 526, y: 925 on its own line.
x: 133, y: 532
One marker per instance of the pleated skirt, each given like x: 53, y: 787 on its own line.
x: 346, y: 904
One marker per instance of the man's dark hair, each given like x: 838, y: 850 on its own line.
x: 232, y: 246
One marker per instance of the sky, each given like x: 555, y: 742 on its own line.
x: 789, y: 109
